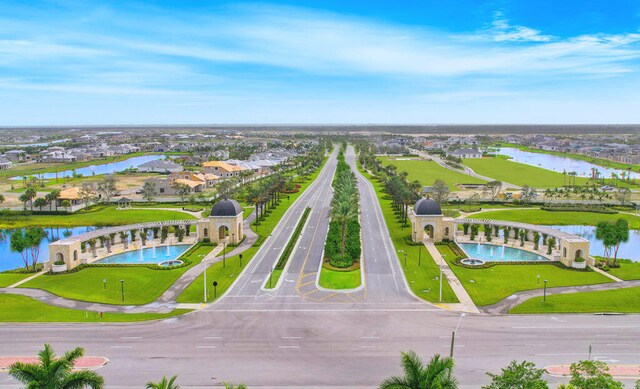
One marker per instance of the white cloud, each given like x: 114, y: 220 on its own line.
x: 501, y: 30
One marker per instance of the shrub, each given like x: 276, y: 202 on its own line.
x: 579, y: 260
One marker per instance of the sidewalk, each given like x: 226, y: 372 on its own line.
x: 617, y: 371
x: 466, y: 303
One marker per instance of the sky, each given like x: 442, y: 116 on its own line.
x: 340, y: 62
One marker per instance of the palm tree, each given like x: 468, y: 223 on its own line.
x: 230, y: 386
x: 343, y: 212
x: 164, y: 383
x: 55, y: 373
x: 437, y: 374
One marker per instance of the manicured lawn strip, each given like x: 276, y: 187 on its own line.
x: 627, y: 271
x: 194, y: 293
x: 22, y: 309
x: 103, y: 215
x: 498, y: 282
x: 7, y: 279
x: 428, y: 171
x: 331, y: 279
x: 623, y: 300
x: 518, y: 173
x: 286, y: 253
x: 142, y: 285
x: 538, y: 216
x: 422, y: 280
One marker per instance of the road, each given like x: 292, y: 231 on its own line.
x: 291, y: 338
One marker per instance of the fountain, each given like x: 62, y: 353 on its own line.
x: 153, y: 244
x: 502, y: 255
x: 491, y: 251
x: 168, y: 249
x: 141, y: 252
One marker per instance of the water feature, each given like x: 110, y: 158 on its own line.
x: 175, y: 262
x: 628, y: 250
x: 107, y: 168
x: 473, y: 261
x: 10, y: 260
x: 502, y: 253
x: 133, y: 258
x: 485, y: 252
x: 558, y: 163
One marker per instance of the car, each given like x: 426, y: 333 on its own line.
x: 607, y: 187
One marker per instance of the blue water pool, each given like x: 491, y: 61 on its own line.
x: 148, y: 255
x: 491, y: 252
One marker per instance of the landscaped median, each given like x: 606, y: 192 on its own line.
x: 226, y: 275
x: 274, y: 277
x: 418, y: 266
x: 488, y: 285
x: 343, y: 246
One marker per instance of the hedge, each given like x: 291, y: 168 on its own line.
x: 292, y: 240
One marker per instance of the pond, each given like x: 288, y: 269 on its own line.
x: 107, y: 168
x: 629, y: 250
x: 10, y: 260
x: 558, y: 163
x: 498, y: 253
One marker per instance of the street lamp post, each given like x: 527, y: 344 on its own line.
x: 224, y: 254
x: 104, y: 281
x: 440, y: 278
x: 240, y: 256
x: 405, y: 260
x: 453, y: 335
x: 204, y: 271
x: 545, y: 291
x: 122, y: 288
x: 215, y: 291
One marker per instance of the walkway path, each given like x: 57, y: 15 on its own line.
x: 503, y: 306
x: 467, y: 304
x: 27, y: 279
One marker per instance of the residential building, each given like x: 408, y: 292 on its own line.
x: 160, y: 166
x: 467, y: 153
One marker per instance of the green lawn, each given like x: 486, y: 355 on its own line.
x: 538, y: 216
x: 428, y: 171
x: 627, y: 271
x: 331, y: 279
x: 21, y: 309
x: 101, y: 215
x: 498, y: 282
x: 7, y: 279
x: 422, y: 279
x: 518, y: 173
x: 194, y: 293
x: 142, y: 285
x: 617, y: 300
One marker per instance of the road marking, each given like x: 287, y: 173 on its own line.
x: 369, y: 337
x: 617, y: 344
x: 292, y: 337
x: 288, y: 346
x: 205, y: 346
x: 131, y: 337
x: 212, y: 337
x: 121, y: 346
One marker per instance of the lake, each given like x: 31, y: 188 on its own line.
x: 10, y: 260
x: 628, y: 250
x: 107, y: 168
x: 558, y: 163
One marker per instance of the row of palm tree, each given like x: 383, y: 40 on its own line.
x: 344, y: 205
x: 50, y: 199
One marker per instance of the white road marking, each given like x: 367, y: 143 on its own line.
x: 369, y: 337
x: 205, y: 346
x: 131, y: 337
x: 122, y: 346
x: 212, y: 337
x: 288, y: 346
x: 292, y: 337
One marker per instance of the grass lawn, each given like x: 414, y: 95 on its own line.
x: 194, y: 293
x: 21, y: 309
x: 495, y: 283
x: 422, y: 279
x: 538, y: 216
x: 428, y: 171
x: 7, y: 279
x: 142, y: 285
x: 518, y: 173
x: 617, y: 300
x: 627, y: 271
x: 332, y: 279
x: 101, y: 215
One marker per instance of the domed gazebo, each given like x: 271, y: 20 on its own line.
x: 428, y: 222
x: 224, y: 223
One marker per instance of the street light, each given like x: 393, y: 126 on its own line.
x: 224, y: 254
x: 240, y: 256
x: 545, y: 291
x: 122, y: 287
x: 215, y: 291
x: 204, y: 271
x: 405, y: 260
x: 453, y: 334
x: 104, y: 281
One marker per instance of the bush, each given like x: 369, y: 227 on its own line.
x: 58, y: 262
x: 579, y: 260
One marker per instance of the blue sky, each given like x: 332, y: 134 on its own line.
x: 197, y: 62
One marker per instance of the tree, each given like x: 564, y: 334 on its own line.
x: 107, y: 188
x: 86, y: 195
x: 51, y: 372
x: 612, y: 235
x: 437, y: 374
x: 592, y: 375
x: 622, y: 195
x: 1, y: 198
x: 182, y: 190
x: 528, y: 193
x: 40, y: 202
x: 342, y: 212
x: 230, y: 386
x: 18, y: 244
x: 440, y: 191
x: 523, y: 375
x: 52, y: 197
x: 33, y: 238
x: 164, y: 383
x: 27, y: 196
x: 492, y: 189
x: 224, y: 188
x: 149, y: 191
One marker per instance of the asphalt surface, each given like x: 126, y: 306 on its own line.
x: 290, y: 337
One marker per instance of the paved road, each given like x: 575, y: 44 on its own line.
x: 285, y: 339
